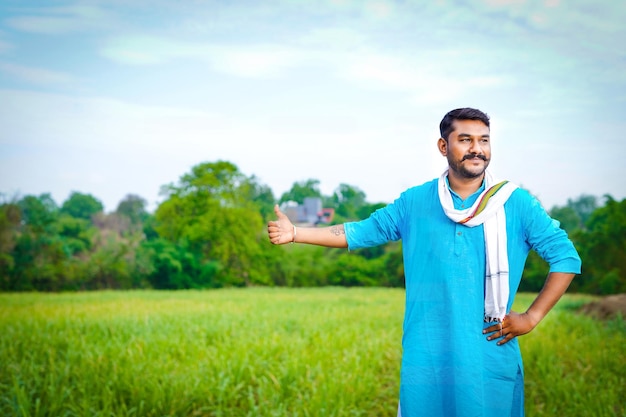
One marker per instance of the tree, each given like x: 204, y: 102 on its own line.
x: 219, y: 181
x: 10, y: 219
x: 36, y: 256
x: 133, y: 207
x: 603, y: 249
x: 300, y: 190
x: 174, y: 267
x: 210, y: 212
x: 535, y: 273
x: 393, y: 266
x: 39, y: 213
x: 81, y: 206
x: 76, y: 234
x: 261, y: 195
x: 572, y: 219
x: 367, y: 209
x: 352, y: 271
x: 568, y: 217
x: 348, y: 200
x: 584, y: 206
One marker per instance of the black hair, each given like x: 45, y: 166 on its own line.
x: 465, y: 113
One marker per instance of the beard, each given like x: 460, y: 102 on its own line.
x: 468, y: 172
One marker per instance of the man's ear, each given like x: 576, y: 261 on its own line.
x: 442, y: 144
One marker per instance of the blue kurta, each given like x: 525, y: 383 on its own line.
x: 448, y: 366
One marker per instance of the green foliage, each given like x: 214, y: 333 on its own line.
x: 39, y: 259
x: 31, y: 250
x: 174, y: 267
x: 300, y: 265
x: 352, y: 271
x: 393, y: 266
x: 77, y: 234
x: 584, y: 206
x: 599, y: 234
x: 39, y: 213
x: 211, y: 212
x: 306, y: 266
x: 573, y: 216
x: 149, y: 227
x: 53, y: 251
x: 365, y: 210
x: 568, y: 218
x: 10, y: 219
x: 219, y: 181
x: 261, y: 195
x: 535, y: 273
x: 134, y: 208
x: 381, y: 266
x: 81, y: 206
x: 210, y: 232
x: 347, y: 201
x: 603, y: 249
x: 301, y: 190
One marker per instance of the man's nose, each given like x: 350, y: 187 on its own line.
x: 475, y: 147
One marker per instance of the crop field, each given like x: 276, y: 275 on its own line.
x: 265, y: 352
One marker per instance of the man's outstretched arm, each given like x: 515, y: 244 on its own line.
x: 282, y: 231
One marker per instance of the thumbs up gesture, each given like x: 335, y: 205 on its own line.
x: 281, y: 230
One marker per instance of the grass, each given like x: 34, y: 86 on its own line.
x: 264, y: 352
x: 575, y: 365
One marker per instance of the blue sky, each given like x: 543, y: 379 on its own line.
x: 123, y: 96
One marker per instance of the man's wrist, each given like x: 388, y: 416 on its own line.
x: 534, y: 317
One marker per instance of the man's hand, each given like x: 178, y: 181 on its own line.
x: 513, y: 325
x: 281, y: 230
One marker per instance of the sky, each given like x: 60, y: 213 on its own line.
x: 121, y: 97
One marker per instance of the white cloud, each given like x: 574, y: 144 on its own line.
x: 333, y: 38
x: 5, y: 46
x: 340, y: 52
x: 247, y: 61
x: 576, y: 27
x: 433, y: 77
x: 99, y: 123
x: 257, y: 61
x: 122, y: 147
x: 39, y: 76
x: 505, y: 2
x: 386, y: 71
x: 379, y: 9
x: 60, y: 20
x: 144, y: 50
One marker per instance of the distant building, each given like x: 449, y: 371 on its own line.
x: 310, y: 212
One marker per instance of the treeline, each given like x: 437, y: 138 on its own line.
x: 209, y: 232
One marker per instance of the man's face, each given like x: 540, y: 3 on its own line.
x: 468, y: 148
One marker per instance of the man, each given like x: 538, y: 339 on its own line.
x: 465, y: 239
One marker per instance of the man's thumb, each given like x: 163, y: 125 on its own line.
x: 278, y: 213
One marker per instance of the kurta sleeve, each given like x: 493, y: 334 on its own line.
x: 546, y: 237
x: 381, y: 227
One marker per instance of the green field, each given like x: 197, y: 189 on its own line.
x: 265, y: 352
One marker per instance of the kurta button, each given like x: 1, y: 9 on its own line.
x: 458, y: 233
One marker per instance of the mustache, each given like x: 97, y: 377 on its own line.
x: 474, y: 155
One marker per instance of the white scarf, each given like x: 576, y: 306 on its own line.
x: 488, y: 210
